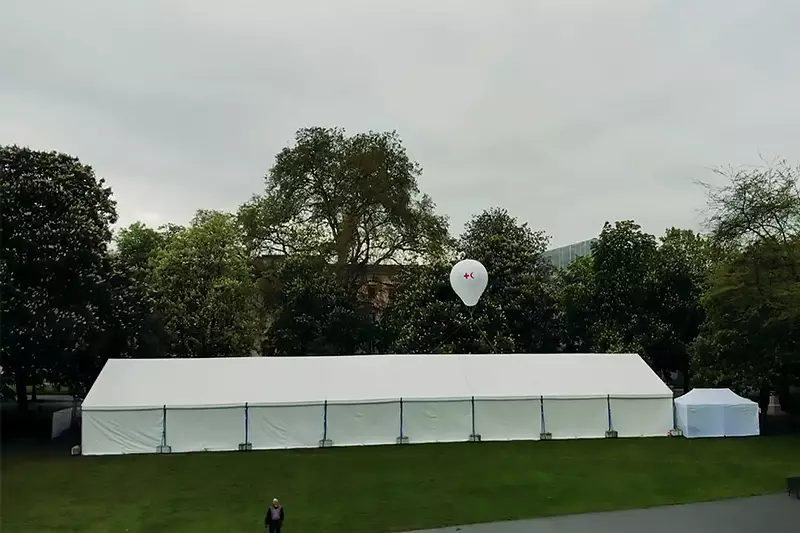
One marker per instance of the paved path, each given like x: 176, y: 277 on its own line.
x: 760, y: 514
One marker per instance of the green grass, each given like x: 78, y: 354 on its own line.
x: 382, y: 489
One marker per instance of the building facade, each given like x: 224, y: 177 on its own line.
x: 562, y: 256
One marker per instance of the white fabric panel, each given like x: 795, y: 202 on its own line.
x: 741, y: 420
x: 121, y: 432
x: 705, y: 421
x: 576, y: 418
x: 230, y: 381
x: 443, y: 421
x: 641, y: 417
x: 198, y: 430
x: 508, y: 419
x: 62, y: 421
x: 292, y: 426
x: 681, y: 416
x: 712, y: 397
x: 363, y: 424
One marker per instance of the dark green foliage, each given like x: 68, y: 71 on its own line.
x: 314, y: 313
x: 56, y: 281
x: 517, y: 313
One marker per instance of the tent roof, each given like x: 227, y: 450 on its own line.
x: 712, y: 397
x: 143, y: 383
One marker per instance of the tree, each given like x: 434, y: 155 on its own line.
x: 202, y: 288
x: 124, y: 328
x: 638, y: 294
x: 517, y: 313
x: 313, y: 313
x: 137, y: 245
x: 624, y: 260
x: 133, y: 261
x: 575, y: 294
x: 56, y: 218
x: 351, y: 199
x: 750, y: 337
x: 685, y: 261
x: 760, y: 204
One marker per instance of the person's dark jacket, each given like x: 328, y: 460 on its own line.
x: 268, y: 518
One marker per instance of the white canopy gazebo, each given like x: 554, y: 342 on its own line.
x: 716, y: 413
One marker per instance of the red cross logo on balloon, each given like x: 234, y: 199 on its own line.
x: 468, y: 275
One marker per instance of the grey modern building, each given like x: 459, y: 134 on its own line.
x: 564, y: 255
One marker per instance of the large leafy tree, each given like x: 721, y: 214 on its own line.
x: 624, y: 304
x: 201, y: 285
x: 517, y: 313
x: 56, y: 218
x: 133, y: 260
x: 637, y: 294
x: 575, y: 293
x: 750, y: 338
x: 351, y: 199
x: 138, y: 244
x: 684, y: 263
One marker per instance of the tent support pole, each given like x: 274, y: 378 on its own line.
x: 610, y: 433
x: 325, y: 442
x: 246, y: 445
x: 543, y: 434
x: 474, y: 436
x: 402, y: 439
x: 164, y: 448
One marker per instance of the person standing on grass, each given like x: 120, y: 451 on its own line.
x: 274, y: 519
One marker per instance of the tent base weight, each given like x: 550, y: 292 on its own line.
x: 401, y: 440
x: 325, y: 443
x: 475, y: 437
x: 245, y: 447
x: 545, y: 436
x: 75, y: 450
x: 675, y: 433
x: 611, y: 434
x: 164, y: 449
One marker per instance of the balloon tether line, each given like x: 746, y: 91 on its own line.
x: 436, y: 350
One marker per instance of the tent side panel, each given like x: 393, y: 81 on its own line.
x: 741, y: 420
x: 508, y: 419
x: 121, y: 432
x: 682, y: 418
x: 363, y: 424
x: 576, y: 418
x: 705, y: 421
x: 205, y: 430
x: 290, y: 426
x: 437, y: 421
x: 641, y: 417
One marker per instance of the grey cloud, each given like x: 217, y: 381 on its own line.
x: 566, y: 112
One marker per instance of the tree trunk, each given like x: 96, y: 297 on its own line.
x: 21, y: 383
x: 33, y: 393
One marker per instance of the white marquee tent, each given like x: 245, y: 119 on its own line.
x: 716, y: 413
x: 185, y: 405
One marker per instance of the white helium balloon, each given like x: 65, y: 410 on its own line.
x: 469, y: 279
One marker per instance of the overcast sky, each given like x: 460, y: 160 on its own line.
x: 567, y: 113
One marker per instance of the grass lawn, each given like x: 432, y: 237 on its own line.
x: 382, y: 489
